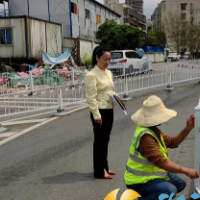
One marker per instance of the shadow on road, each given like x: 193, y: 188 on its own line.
x: 68, y: 178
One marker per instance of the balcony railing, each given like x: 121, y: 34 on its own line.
x: 131, y: 21
x: 135, y: 14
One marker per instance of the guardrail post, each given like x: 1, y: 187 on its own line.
x: 197, y: 146
x: 169, y: 86
x: 60, y: 111
x: 126, y: 95
x: 72, y: 74
x: 31, y: 83
x: 60, y: 101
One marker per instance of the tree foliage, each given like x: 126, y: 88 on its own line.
x: 151, y: 38
x: 193, y: 37
x: 181, y: 35
x: 161, y: 36
x: 119, y: 36
x: 156, y: 36
x: 176, y: 31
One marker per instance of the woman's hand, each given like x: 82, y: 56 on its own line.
x: 98, y: 121
x: 190, y: 124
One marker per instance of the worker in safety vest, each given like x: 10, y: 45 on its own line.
x: 149, y: 170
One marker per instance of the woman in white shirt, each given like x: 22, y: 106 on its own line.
x: 99, y: 86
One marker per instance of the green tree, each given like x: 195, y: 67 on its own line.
x: 176, y: 30
x: 119, y: 36
x: 161, y: 36
x: 193, y: 39
x: 151, y: 38
x: 156, y: 37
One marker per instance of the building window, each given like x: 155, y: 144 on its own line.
x: 87, y: 14
x: 74, y: 8
x: 6, y: 36
x: 183, y: 6
x: 183, y: 16
x: 98, y: 19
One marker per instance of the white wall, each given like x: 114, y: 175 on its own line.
x: 54, y: 38
x: 40, y: 38
x: 18, y: 48
x: 155, y: 57
x: 37, y: 39
x: 44, y: 36
x: 87, y: 47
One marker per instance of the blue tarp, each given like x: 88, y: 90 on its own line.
x: 53, y: 60
x: 153, y: 49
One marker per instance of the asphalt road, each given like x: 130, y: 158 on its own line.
x: 54, y: 161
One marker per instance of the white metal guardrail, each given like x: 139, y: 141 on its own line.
x: 72, y: 91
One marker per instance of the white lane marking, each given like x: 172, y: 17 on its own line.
x: 23, y: 122
x: 26, y: 131
x: 36, y: 126
x: 81, y: 108
x: 3, y: 135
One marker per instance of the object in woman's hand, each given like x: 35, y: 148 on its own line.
x: 119, y: 103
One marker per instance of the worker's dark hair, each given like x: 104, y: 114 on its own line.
x: 99, y: 51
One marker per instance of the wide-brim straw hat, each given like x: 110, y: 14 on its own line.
x: 153, y: 113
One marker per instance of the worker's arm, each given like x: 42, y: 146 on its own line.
x: 149, y: 149
x: 184, y: 133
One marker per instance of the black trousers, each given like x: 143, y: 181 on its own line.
x: 101, y: 141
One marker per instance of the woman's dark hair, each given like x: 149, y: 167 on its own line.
x: 99, y: 51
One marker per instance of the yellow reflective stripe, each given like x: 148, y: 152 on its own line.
x: 141, y: 173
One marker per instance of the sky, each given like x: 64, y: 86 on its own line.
x: 149, y: 6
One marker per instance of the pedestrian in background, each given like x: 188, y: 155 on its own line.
x: 99, y: 85
x: 149, y: 170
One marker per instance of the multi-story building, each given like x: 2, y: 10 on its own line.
x: 79, y: 18
x: 128, y: 15
x: 137, y: 5
x: 187, y: 10
x: 159, y: 14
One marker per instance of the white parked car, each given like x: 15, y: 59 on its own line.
x: 174, y: 56
x: 128, y: 61
x: 186, y: 55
